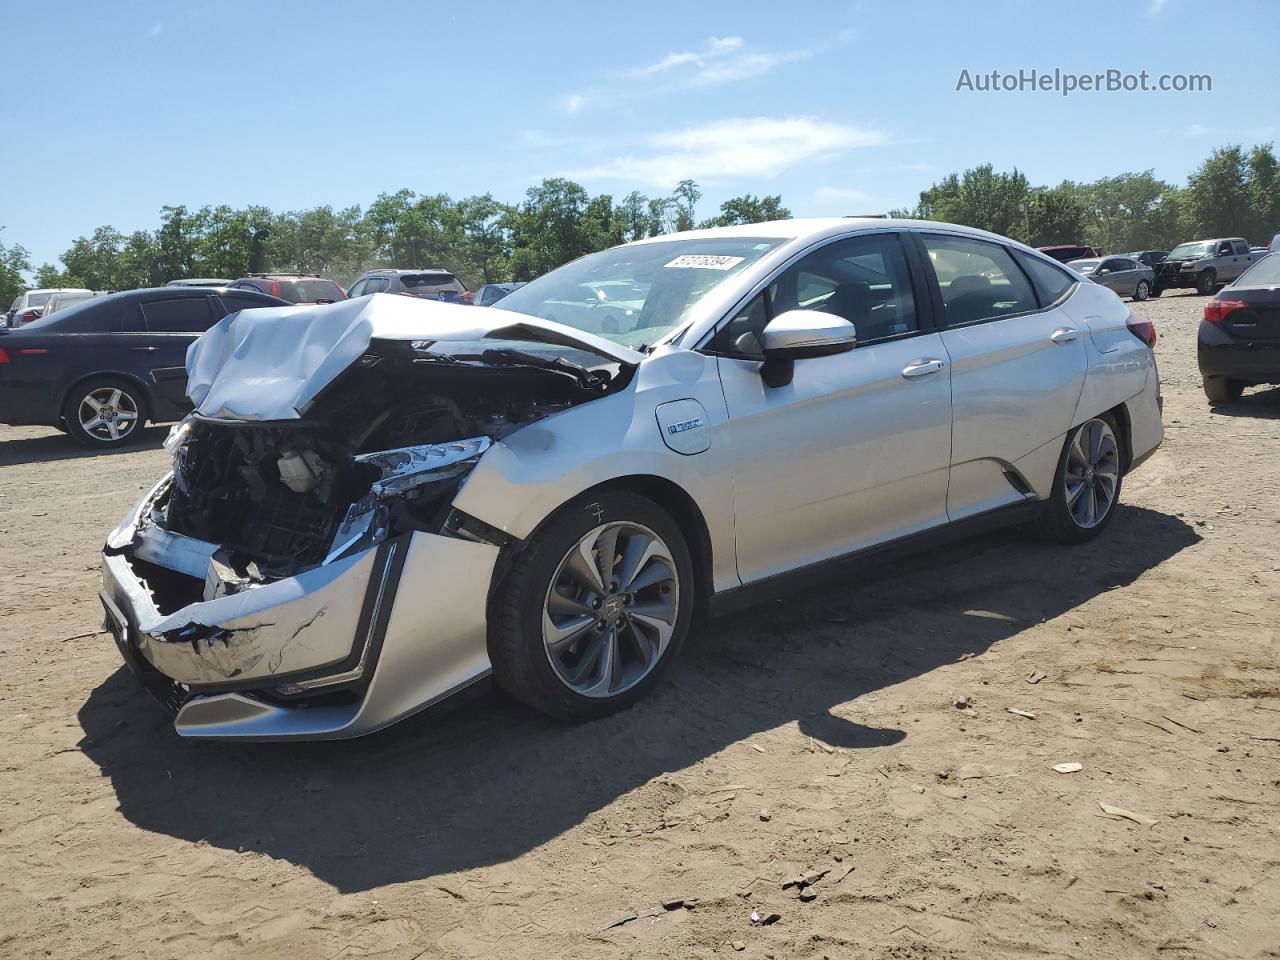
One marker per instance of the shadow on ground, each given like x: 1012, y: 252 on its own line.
x: 1260, y: 403
x: 490, y: 780
x: 59, y: 446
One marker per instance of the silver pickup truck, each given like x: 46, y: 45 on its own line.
x: 1204, y: 264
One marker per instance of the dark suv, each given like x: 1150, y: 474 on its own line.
x: 101, y: 369
x: 294, y: 287
x: 426, y: 284
x: 1066, y: 252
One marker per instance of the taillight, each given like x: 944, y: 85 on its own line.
x: 468, y: 296
x: 1216, y: 310
x: 275, y: 288
x: 4, y: 356
x: 28, y: 316
x: 1144, y: 330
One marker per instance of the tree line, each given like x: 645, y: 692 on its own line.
x: 478, y: 238
x: 1235, y: 192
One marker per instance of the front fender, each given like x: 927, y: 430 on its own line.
x: 526, y: 477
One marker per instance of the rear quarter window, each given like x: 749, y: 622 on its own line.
x: 1051, y: 282
x: 188, y: 315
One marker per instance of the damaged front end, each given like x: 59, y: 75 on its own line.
x: 261, y: 576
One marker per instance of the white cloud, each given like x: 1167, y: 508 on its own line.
x: 718, y: 61
x: 1156, y: 7
x: 740, y: 147
x: 837, y: 195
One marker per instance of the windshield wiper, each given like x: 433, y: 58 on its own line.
x: 588, y: 379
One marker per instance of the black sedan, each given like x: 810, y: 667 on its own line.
x: 101, y: 369
x: 1239, y: 342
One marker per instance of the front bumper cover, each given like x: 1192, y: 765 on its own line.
x: 260, y: 664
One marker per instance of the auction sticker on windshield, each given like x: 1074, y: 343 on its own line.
x: 700, y: 261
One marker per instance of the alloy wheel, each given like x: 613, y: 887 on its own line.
x: 1092, y: 473
x: 108, y: 413
x: 611, y: 609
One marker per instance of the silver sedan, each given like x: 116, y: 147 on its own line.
x: 381, y: 501
x: 1125, y: 275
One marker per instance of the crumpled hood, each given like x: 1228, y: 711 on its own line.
x: 270, y: 363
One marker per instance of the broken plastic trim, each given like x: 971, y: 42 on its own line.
x: 404, y: 470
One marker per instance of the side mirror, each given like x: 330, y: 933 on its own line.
x: 799, y: 335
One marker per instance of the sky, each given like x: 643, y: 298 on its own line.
x: 111, y: 111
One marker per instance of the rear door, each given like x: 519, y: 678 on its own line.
x: 1017, y: 366
x: 173, y: 324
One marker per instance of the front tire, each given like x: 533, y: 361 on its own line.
x: 1205, y: 282
x: 104, y: 412
x: 1086, y: 487
x: 1142, y: 291
x: 595, y: 607
x: 1155, y: 290
x: 1223, y: 390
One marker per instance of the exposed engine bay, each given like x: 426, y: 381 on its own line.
x: 380, y: 452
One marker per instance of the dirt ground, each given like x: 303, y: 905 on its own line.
x: 859, y: 733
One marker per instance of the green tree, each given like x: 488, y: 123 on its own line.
x: 634, y: 216
x: 1054, y: 215
x: 14, y: 262
x: 748, y: 209
x: 1126, y: 212
x: 980, y: 198
x: 1217, y: 195
x: 685, y: 197
x: 1263, y: 194
x: 549, y: 228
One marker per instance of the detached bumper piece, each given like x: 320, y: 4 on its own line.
x: 337, y: 651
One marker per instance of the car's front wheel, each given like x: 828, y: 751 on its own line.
x: 594, y: 608
x: 1086, y: 487
x: 1142, y: 291
x: 104, y: 412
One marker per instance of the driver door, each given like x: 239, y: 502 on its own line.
x: 855, y: 450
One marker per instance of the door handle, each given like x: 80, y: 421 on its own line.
x: 1064, y: 335
x: 922, y: 368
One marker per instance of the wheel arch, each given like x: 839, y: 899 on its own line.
x: 107, y: 375
x: 671, y: 497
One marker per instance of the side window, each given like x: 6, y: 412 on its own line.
x: 376, y: 284
x: 131, y: 320
x: 1051, y: 282
x: 863, y: 279
x: 979, y: 280
x: 1241, y: 248
x: 1224, y: 248
x: 178, y: 316
x: 742, y: 335
x: 357, y: 289
x: 233, y: 302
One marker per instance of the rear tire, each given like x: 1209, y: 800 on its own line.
x: 578, y: 637
x: 1222, y: 390
x: 105, y: 412
x: 1142, y: 290
x: 1205, y: 282
x: 1086, y: 486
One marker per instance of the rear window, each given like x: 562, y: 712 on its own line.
x: 38, y: 299
x: 309, y: 291
x: 232, y: 302
x: 413, y: 282
x: 1264, y: 273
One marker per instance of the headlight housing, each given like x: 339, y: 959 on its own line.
x: 405, y: 472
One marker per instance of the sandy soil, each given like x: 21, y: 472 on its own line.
x: 820, y: 734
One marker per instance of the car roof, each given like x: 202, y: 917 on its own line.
x: 282, y: 276
x: 399, y: 271
x: 818, y: 228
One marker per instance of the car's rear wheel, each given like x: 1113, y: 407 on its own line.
x: 105, y: 412
x: 1142, y: 290
x: 1205, y: 282
x: 1223, y: 389
x: 594, y: 608
x: 1086, y: 488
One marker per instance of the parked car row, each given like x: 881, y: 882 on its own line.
x: 1202, y: 265
x: 33, y: 304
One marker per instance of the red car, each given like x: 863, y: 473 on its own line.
x: 295, y: 287
x: 1066, y: 252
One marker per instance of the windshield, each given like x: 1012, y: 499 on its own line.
x: 1184, y: 250
x: 1264, y: 273
x: 1084, y: 266
x: 636, y: 294
x: 38, y: 299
